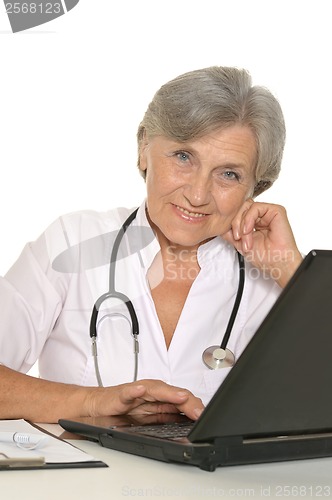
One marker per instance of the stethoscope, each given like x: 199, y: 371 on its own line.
x: 213, y: 357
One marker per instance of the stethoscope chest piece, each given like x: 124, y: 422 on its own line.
x: 215, y: 357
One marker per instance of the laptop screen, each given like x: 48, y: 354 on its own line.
x: 282, y: 382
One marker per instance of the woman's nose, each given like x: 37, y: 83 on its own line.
x: 198, y: 189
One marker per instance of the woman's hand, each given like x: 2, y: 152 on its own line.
x: 40, y: 400
x: 262, y: 234
x: 142, y: 397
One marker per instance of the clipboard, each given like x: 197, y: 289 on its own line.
x: 24, y: 463
x: 55, y: 454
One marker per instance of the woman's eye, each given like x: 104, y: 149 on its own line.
x: 230, y: 175
x: 182, y: 156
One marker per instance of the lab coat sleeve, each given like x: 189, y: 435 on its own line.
x: 30, y: 305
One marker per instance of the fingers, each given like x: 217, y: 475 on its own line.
x: 242, y: 227
x: 154, y: 409
x: 151, y: 390
x: 262, y: 234
x: 131, y: 392
x: 239, y: 234
x: 154, y: 396
x: 253, y: 217
x: 241, y: 220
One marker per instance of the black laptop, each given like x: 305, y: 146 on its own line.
x: 275, y: 404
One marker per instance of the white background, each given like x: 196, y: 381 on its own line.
x: 73, y: 91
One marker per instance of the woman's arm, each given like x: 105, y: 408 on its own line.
x: 37, y: 400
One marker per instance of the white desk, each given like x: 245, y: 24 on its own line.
x: 132, y: 477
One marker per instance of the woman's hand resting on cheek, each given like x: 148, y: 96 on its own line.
x: 262, y: 234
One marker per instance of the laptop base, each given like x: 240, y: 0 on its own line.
x: 225, y: 451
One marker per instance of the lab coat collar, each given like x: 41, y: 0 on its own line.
x: 149, y: 251
x: 214, y: 249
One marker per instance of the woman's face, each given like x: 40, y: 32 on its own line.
x: 194, y: 189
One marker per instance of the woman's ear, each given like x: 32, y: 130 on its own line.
x: 143, y: 149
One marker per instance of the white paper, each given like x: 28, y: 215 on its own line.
x: 54, y: 450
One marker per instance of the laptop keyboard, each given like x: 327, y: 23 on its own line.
x: 165, y: 431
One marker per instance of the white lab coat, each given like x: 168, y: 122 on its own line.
x: 47, y: 296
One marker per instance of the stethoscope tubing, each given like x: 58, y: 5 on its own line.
x: 113, y: 293
x: 237, y: 302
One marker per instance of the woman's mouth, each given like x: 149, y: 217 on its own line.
x: 196, y: 215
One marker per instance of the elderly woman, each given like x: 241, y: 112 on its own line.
x: 201, y: 262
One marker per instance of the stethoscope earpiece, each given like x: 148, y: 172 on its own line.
x: 215, y: 357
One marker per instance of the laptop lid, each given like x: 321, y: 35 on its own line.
x: 281, y: 384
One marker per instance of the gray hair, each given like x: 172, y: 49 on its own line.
x: 201, y: 101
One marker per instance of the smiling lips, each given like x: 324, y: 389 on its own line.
x: 196, y: 215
